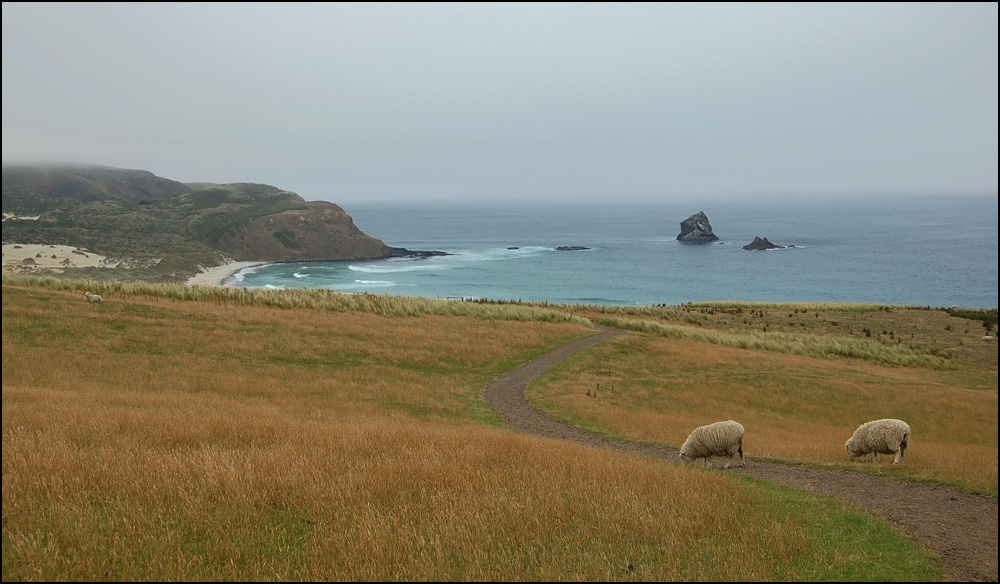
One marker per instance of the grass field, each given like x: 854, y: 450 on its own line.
x: 177, y: 434
x: 797, y: 403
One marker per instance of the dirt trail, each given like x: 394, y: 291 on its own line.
x: 959, y: 526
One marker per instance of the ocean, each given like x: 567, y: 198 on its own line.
x: 915, y: 251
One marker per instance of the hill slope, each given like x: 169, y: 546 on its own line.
x: 133, y: 213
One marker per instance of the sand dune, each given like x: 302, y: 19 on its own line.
x: 21, y: 257
x: 27, y: 258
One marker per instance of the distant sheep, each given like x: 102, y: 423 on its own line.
x: 87, y: 296
x: 718, y: 439
x: 886, y: 436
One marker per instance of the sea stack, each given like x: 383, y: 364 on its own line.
x: 761, y: 243
x: 696, y: 229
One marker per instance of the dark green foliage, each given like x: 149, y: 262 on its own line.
x: 24, y: 201
x: 225, y: 220
x: 208, y: 199
x: 287, y: 238
x: 988, y: 317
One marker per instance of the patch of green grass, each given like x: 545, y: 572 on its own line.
x: 856, y: 546
x: 287, y: 238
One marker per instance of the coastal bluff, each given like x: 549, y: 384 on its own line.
x: 175, y: 229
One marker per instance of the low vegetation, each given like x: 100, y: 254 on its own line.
x: 190, y: 433
x: 935, y: 338
x: 322, y: 300
x: 800, y: 394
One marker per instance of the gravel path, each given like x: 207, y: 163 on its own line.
x: 961, y: 527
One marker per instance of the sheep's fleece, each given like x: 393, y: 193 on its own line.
x: 886, y: 436
x: 718, y: 439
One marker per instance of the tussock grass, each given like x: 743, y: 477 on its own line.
x: 382, y: 498
x: 795, y: 408
x: 693, y: 311
x: 311, y: 299
x: 810, y: 345
x: 894, y: 335
x: 146, y: 438
x: 808, y: 306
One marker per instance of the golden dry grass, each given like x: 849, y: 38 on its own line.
x: 149, y: 438
x: 137, y: 486
x: 794, y: 408
x: 921, y: 336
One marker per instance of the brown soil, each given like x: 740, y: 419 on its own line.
x: 959, y: 526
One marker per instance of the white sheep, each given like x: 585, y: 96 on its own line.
x: 885, y: 436
x: 718, y: 439
x: 87, y: 296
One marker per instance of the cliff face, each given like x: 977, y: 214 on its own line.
x: 321, y: 231
x: 120, y: 212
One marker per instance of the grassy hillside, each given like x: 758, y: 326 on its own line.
x: 173, y: 228
x: 802, y: 388
x: 176, y: 433
x: 186, y: 224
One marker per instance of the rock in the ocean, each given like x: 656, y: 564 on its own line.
x: 696, y: 229
x: 571, y: 248
x: 402, y: 252
x: 760, y: 243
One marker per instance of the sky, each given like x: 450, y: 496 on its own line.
x: 560, y: 102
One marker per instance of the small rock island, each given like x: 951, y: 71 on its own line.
x: 696, y: 229
x: 761, y: 243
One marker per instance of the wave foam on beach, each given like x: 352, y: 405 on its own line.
x: 222, y: 275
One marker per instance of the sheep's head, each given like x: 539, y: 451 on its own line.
x: 683, y: 458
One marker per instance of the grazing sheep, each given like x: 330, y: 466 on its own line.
x: 718, y: 439
x: 87, y: 296
x: 886, y: 436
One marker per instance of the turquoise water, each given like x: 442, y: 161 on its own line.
x: 923, y: 251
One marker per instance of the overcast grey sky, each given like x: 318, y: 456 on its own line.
x: 365, y: 102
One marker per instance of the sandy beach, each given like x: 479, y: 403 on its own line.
x: 34, y: 258
x: 219, y: 275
